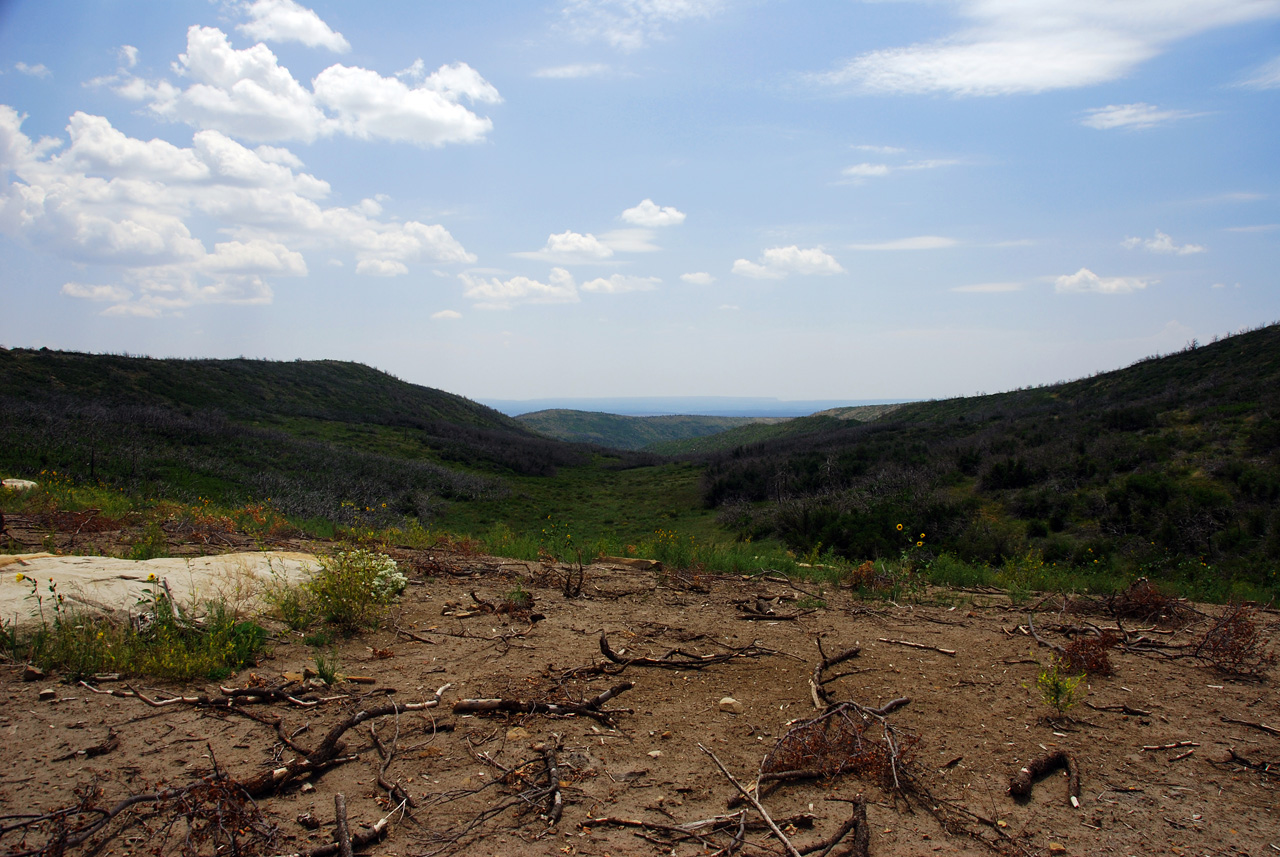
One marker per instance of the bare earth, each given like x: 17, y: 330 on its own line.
x: 479, y: 781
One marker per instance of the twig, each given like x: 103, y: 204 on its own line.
x: 1270, y: 730
x: 1175, y: 746
x: 751, y: 799
x: 340, y: 831
x: 1122, y: 709
x: 948, y: 652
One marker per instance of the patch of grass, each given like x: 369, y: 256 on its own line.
x: 1058, y: 688
x: 327, y: 667
x: 162, y: 642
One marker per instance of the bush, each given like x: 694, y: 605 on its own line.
x: 351, y: 588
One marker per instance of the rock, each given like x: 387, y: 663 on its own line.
x: 48, y: 695
x: 655, y: 754
x: 20, y: 484
x: 32, y: 673
x: 309, y: 821
x: 1057, y: 848
x: 731, y: 705
x: 307, y: 788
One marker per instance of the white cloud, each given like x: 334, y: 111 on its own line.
x: 128, y: 56
x: 494, y: 293
x: 880, y: 150
x: 989, y: 288
x: 648, y: 214
x: 114, y: 294
x: 629, y: 24
x: 857, y: 173
x: 37, y: 70
x: 574, y: 70
x: 247, y: 94
x: 286, y: 21
x: 918, y: 242
x: 1138, y: 115
x: 629, y: 240
x: 1041, y: 45
x: 1162, y: 243
x: 381, y: 268
x: 1085, y: 280
x: 621, y: 283
x: 698, y: 278
x: 446, y: 315
x: 1265, y: 76
x: 113, y: 200
x: 865, y: 170
x: 778, y: 262
x: 570, y: 247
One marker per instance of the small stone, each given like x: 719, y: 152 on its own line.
x: 32, y: 673
x: 48, y: 695
x: 307, y: 788
x: 731, y: 705
x: 655, y: 754
x: 309, y: 821
x: 1057, y: 848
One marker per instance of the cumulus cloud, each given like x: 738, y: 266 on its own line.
x: 247, y: 94
x: 1138, y: 115
x: 629, y: 24
x: 286, y: 21
x: 698, y: 278
x: 1085, y: 280
x: 574, y: 70
x: 1162, y: 243
x: 495, y: 293
x: 778, y: 262
x: 649, y: 214
x: 37, y: 70
x: 128, y: 56
x: 620, y: 283
x: 116, y: 201
x: 918, y: 242
x: 1040, y: 45
x: 571, y: 247
x: 446, y: 315
x: 1265, y: 76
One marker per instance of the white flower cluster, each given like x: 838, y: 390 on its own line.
x: 386, y: 581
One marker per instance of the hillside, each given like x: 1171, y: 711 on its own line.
x: 321, y: 439
x: 1170, y: 466
x: 627, y: 432
x: 763, y: 430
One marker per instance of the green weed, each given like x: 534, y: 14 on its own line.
x: 1058, y: 689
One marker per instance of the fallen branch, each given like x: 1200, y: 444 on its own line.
x: 1020, y: 784
x: 591, y: 708
x: 108, y: 744
x: 341, y: 833
x: 677, y: 659
x: 821, y: 698
x: 751, y: 799
x: 1175, y: 746
x: 948, y: 652
x: 1262, y: 727
x: 1264, y: 767
x: 1122, y: 709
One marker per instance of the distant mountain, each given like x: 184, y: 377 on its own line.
x: 630, y: 432
x: 651, y: 406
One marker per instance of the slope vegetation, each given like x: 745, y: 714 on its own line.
x: 628, y: 432
x: 1168, y: 467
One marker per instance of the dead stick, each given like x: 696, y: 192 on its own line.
x: 1270, y: 730
x: 948, y: 652
x: 340, y: 825
x: 1175, y: 746
x: 751, y: 799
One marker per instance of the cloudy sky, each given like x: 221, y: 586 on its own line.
x: 810, y: 200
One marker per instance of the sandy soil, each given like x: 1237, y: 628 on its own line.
x: 479, y: 780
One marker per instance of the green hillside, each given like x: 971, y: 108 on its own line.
x: 627, y: 432
x: 1170, y: 466
x: 764, y: 430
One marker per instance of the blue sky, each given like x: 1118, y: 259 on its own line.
x: 806, y: 200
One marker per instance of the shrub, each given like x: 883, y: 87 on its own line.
x: 351, y: 588
x: 1058, y: 689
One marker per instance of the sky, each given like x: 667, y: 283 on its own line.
x: 801, y: 199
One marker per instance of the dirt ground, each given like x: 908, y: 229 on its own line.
x: 480, y: 785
